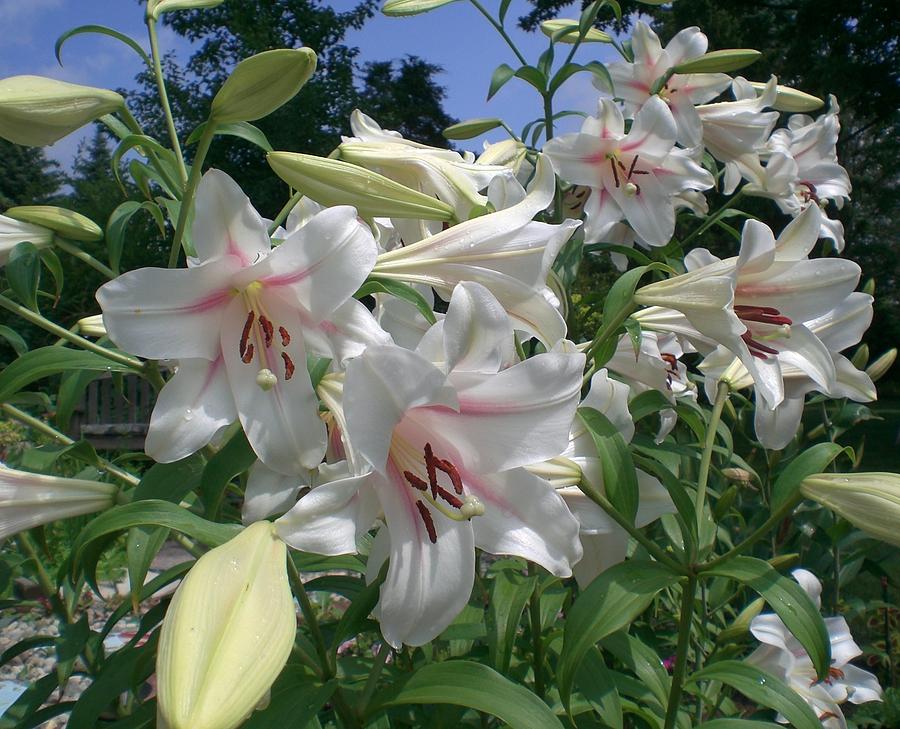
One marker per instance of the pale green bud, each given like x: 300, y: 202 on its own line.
x: 566, y: 31
x: 869, y: 287
x: 92, y: 326
x: 227, y: 633
x: 725, y: 61
x: 509, y: 153
x: 791, y: 100
x: 67, y: 223
x: 741, y: 625
x: 261, y: 84
x: 471, y: 128
x: 869, y: 501
x: 860, y: 357
x: 155, y: 8
x: 880, y: 366
x: 412, y: 7
x: 334, y: 182
x: 36, y: 111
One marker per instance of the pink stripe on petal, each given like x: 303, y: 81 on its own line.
x: 210, y: 301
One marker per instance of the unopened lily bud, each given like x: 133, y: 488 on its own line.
x: 880, y: 366
x: 28, y: 500
x: 566, y: 31
x: 227, y: 634
x: 791, y: 100
x: 782, y: 562
x: 334, y: 182
x: 869, y: 501
x: 155, y: 8
x: 261, y: 84
x: 860, y: 357
x: 725, y: 61
x: 738, y: 475
x: 411, y: 7
x: 13, y: 232
x: 509, y: 153
x: 869, y: 287
x: 36, y: 111
x: 67, y: 223
x: 741, y: 625
x: 266, y: 379
x: 92, y: 326
x: 471, y: 128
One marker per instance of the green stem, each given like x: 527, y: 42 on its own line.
x: 714, y: 218
x: 608, y: 329
x: 135, y: 127
x: 501, y: 30
x: 209, y: 131
x: 372, y: 682
x: 48, y: 430
x: 534, y: 618
x: 81, y: 255
x: 776, y: 518
x: 681, y: 652
x: 658, y: 554
x: 582, y: 32
x: 285, y: 211
x: 548, y: 115
x: 706, y: 459
x: 43, y: 577
x: 63, y: 333
x: 164, y: 98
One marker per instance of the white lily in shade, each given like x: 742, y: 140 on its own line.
x: 757, y: 303
x: 605, y: 543
x: 632, y: 176
x: 443, y: 434
x: 240, y: 319
x: 506, y: 251
x: 451, y: 177
x: 736, y: 131
x: 782, y: 655
x: 682, y: 92
x: 803, y: 169
x: 28, y: 500
x: 840, y: 328
x: 13, y: 232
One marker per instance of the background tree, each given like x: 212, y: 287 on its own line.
x: 27, y: 177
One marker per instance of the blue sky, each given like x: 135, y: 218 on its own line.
x: 455, y: 37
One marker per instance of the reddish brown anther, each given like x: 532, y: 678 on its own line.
x: 761, y: 314
x: 288, y: 365
x: 247, y: 357
x: 455, y: 502
x: 415, y: 481
x: 429, y: 522
x: 612, y: 163
x: 452, y: 472
x: 757, y: 349
x: 430, y: 466
x: 245, y: 334
x: 285, y: 336
x: 268, y: 329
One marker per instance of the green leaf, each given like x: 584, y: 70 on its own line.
x: 294, y: 695
x: 144, y: 145
x: 609, y: 604
x: 235, y: 457
x: 790, y: 601
x: 352, y: 620
x: 510, y: 591
x: 115, y: 231
x: 471, y: 128
x: 504, y: 7
x: 47, y: 361
x: 70, y: 393
x: 762, y: 688
x: 69, y: 646
x: 23, y: 273
x: 739, y: 724
x: 401, y: 290
x: 534, y: 76
x: 619, y: 475
x: 242, y: 130
x: 596, y: 685
x: 643, y: 662
x: 141, y: 547
x: 813, y: 460
x: 648, y: 403
x: 501, y: 75
x: 152, y: 512
x: 476, y: 686
x: 54, y: 266
x: 14, y: 339
x: 101, y: 30
x: 601, y: 72
x: 564, y: 74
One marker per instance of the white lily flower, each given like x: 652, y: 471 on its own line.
x: 632, y: 176
x: 505, y: 251
x: 838, y: 329
x: 13, y: 232
x: 734, y: 132
x: 803, y: 169
x: 239, y: 320
x: 28, y: 500
x: 604, y: 542
x: 444, y: 433
x: 681, y: 93
x: 447, y: 175
x: 757, y: 303
x: 782, y: 655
